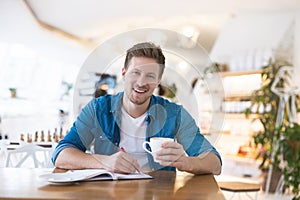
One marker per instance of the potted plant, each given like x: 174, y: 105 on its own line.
x: 289, y: 151
x: 265, y: 104
x: 13, y: 92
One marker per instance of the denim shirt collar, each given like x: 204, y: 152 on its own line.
x: 116, y: 102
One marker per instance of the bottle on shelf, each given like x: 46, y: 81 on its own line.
x: 42, y: 136
x: 22, y: 137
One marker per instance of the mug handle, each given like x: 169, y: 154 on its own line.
x: 145, y: 148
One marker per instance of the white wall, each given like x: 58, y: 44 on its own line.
x: 247, y: 40
x: 17, y: 25
x: 297, y: 49
x: 52, y: 57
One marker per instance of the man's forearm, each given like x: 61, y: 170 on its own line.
x: 71, y: 158
x: 205, y: 163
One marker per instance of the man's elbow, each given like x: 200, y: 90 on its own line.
x: 217, y: 170
x: 58, y: 162
x: 218, y: 166
x: 61, y: 160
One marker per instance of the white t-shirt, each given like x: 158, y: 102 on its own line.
x: 132, y: 136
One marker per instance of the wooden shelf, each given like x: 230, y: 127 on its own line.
x: 231, y: 115
x: 241, y: 73
x: 240, y: 115
x: 237, y: 98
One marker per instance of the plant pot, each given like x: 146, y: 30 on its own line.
x: 294, y: 145
x: 13, y: 94
x: 276, y: 174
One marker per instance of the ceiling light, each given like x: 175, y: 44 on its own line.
x: 183, y: 66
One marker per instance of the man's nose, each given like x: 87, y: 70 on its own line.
x: 141, y: 80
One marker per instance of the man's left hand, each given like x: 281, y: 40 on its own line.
x: 174, y: 155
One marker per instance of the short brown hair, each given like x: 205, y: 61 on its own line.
x: 148, y: 50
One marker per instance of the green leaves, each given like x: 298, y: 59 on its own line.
x: 285, y: 137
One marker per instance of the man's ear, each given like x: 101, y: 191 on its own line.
x: 123, y: 71
x: 158, y: 82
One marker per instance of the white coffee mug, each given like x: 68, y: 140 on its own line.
x: 155, y: 145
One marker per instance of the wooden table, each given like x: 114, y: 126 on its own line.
x: 24, y: 183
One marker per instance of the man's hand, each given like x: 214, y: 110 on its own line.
x: 174, y: 155
x: 119, y: 162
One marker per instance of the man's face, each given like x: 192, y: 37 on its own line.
x: 140, y: 79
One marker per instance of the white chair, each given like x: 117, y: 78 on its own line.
x: 40, y: 156
x: 3, y: 152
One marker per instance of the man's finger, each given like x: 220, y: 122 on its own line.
x: 127, y: 164
x: 131, y: 161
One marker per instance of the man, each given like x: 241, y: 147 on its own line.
x: 117, y: 125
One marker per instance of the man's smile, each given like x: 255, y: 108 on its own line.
x: 140, y: 90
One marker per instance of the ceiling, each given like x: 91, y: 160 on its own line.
x: 92, y: 21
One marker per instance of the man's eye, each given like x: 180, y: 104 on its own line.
x: 151, y: 76
x: 136, y: 73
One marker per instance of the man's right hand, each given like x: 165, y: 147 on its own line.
x: 119, y: 162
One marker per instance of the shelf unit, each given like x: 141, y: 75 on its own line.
x: 238, y: 87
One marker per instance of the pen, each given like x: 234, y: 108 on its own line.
x: 123, y: 150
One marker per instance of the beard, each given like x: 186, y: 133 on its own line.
x: 138, y: 100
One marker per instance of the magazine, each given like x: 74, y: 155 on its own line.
x: 90, y: 175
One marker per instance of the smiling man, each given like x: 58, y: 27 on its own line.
x: 127, y: 119
x: 141, y: 77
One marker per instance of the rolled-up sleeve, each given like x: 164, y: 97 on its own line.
x: 80, y: 135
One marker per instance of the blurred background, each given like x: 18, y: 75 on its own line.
x: 44, y: 44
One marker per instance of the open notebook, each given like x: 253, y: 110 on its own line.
x: 90, y: 175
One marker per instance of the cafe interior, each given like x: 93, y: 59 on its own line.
x: 232, y: 64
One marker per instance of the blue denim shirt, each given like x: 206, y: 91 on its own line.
x: 100, y: 120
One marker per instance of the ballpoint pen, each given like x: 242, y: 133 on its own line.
x: 122, y: 149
